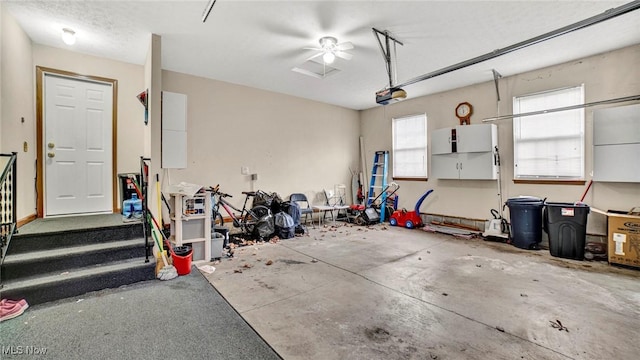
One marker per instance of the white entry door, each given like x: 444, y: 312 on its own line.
x: 77, y: 146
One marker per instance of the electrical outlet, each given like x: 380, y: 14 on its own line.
x: 244, y: 170
x: 25, y: 146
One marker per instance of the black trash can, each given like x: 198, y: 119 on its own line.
x: 525, y: 213
x: 566, y: 225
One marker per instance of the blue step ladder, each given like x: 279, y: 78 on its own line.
x: 378, y: 183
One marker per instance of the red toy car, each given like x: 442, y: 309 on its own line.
x: 409, y: 219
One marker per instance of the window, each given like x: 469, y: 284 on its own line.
x: 410, y: 147
x: 549, y: 146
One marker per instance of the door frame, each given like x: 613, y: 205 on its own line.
x: 41, y: 71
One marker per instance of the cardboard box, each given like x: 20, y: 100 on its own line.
x: 624, y: 239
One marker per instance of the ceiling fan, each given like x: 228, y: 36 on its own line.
x: 330, y: 49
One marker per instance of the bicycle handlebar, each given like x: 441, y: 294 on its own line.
x: 216, y: 190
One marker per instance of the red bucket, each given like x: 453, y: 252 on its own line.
x: 182, y: 256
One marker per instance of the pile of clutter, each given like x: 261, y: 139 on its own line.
x: 283, y: 219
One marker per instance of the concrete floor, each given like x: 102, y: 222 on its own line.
x: 391, y: 293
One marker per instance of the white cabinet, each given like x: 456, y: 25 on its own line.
x: 441, y: 141
x: 191, y: 223
x: 464, y: 152
x: 616, y: 144
x: 476, y: 138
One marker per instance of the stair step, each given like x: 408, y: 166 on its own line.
x: 23, y: 243
x: 59, y: 285
x: 61, y: 259
x: 56, y: 258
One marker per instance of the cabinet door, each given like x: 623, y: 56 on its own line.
x: 441, y: 141
x: 617, y: 125
x: 476, y: 138
x: 445, y: 166
x: 477, y: 166
x: 616, y: 163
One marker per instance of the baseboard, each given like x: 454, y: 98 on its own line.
x: 455, y: 221
x: 26, y: 220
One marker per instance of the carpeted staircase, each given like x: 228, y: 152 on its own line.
x: 47, y: 266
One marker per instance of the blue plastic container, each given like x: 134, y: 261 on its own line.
x: 526, y: 221
x: 132, y: 208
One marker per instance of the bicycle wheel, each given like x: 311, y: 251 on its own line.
x: 251, y: 219
x: 217, y: 219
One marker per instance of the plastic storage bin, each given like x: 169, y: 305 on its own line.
x: 217, y: 244
x: 566, y: 225
x: 526, y: 221
x: 221, y: 230
x: 132, y: 208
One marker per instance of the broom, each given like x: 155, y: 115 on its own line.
x: 167, y: 272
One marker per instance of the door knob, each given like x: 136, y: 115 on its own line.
x: 51, y: 145
x: 51, y: 154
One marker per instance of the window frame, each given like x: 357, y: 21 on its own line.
x: 567, y: 178
x: 422, y: 148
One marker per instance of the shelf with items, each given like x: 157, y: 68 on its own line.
x: 191, y: 223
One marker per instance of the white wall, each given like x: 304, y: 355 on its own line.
x: 294, y: 145
x: 610, y: 75
x: 18, y: 102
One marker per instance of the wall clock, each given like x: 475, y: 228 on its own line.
x: 463, y: 112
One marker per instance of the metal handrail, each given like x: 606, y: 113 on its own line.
x: 145, y: 164
x: 8, y: 203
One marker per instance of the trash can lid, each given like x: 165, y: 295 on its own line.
x: 565, y: 204
x: 524, y: 201
x: 524, y: 198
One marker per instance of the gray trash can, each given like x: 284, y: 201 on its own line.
x: 217, y: 244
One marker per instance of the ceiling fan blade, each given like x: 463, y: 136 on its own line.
x: 310, y: 48
x: 343, y: 55
x: 314, y: 56
x: 344, y: 46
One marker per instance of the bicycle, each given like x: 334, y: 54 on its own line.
x: 248, y: 218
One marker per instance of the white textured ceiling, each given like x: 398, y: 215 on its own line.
x: 257, y: 43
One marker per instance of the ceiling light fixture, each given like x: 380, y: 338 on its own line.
x: 328, y: 44
x: 328, y: 57
x: 207, y: 10
x: 68, y: 36
x: 329, y: 50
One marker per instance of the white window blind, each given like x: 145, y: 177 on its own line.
x: 549, y: 146
x: 410, y: 146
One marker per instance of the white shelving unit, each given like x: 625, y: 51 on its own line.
x: 192, y: 225
x: 465, y: 152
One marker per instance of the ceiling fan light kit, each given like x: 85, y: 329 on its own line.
x: 330, y: 49
x: 328, y: 42
x: 328, y: 57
